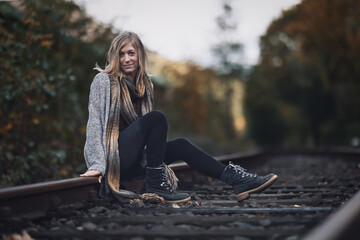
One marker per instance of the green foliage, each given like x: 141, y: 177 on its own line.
x: 307, y: 82
x: 49, y: 49
x: 45, y: 76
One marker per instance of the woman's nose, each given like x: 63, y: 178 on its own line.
x: 127, y: 58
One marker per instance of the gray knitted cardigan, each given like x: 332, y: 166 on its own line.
x: 95, y: 145
x: 99, y: 105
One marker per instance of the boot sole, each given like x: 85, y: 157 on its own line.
x: 245, y: 195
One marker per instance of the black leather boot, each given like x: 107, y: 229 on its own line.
x: 245, y: 183
x: 156, y: 183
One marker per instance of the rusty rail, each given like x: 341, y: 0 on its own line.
x: 74, y: 193
x: 35, y: 200
x: 343, y: 224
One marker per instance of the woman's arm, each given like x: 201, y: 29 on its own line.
x: 94, y: 150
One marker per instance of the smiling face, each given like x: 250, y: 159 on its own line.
x: 129, y: 60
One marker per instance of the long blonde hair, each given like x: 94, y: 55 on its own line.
x: 113, y: 68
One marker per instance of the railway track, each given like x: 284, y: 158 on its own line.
x: 315, y: 197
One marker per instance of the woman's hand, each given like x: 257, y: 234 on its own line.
x: 92, y: 173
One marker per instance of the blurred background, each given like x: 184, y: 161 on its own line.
x: 230, y: 75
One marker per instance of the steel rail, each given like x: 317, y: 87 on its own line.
x: 74, y: 193
x: 35, y: 200
x: 342, y: 224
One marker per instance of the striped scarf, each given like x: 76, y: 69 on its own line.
x: 120, y: 103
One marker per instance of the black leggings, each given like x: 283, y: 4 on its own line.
x: 151, y: 130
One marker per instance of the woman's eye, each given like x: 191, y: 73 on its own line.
x: 131, y: 53
x: 121, y: 54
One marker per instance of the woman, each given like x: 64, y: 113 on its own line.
x: 123, y: 130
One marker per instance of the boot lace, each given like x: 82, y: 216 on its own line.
x: 164, y: 183
x: 241, y: 171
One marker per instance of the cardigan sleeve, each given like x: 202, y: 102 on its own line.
x: 95, y: 148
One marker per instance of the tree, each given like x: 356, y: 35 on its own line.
x: 228, y: 53
x: 309, y: 73
x: 45, y: 77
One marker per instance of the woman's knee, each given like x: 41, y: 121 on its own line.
x: 157, y: 116
x: 183, y: 142
x: 154, y: 119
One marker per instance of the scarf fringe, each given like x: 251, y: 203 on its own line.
x: 171, y: 178
x: 124, y: 195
